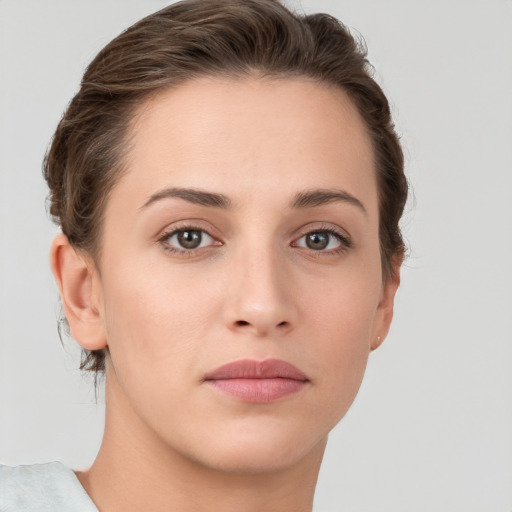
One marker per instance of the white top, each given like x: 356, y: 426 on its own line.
x: 50, y: 487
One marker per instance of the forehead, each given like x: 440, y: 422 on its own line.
x: 249, y: 136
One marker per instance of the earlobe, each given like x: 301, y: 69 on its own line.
x: 385, y: 307
x: 78, y: 284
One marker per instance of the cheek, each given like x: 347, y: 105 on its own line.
x: 154, y: 319
x: 342, y: 334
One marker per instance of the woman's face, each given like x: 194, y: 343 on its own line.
x: 245, y: 228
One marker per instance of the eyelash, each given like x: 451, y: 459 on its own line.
x: 345, y: 241
x: 182, y: 251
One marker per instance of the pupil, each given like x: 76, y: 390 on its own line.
x: 189, y: 239
x: 317, y: 241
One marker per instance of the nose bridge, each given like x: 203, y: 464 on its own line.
x: 261, y: 293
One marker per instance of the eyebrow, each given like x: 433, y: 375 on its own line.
x: 305, y: 199
x: 320, y: 197
x: 192, y: 195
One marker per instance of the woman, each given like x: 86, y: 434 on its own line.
x: 229, y: 184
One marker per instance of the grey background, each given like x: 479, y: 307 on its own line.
x: 431, y: 429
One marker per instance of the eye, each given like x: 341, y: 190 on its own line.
x: 187, y: 239
x: 323, y: 240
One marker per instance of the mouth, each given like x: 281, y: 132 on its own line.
x: 253, y: 381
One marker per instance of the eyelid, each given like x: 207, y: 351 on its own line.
x: 343, y: 237
x: 345, y: 240
x: 190, y: 225
x: 205, y: 237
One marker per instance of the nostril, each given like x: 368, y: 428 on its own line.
x: 244, y: 323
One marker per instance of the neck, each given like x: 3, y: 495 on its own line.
x: 135, y: 470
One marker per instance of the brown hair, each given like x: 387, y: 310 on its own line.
x: 196, y: 38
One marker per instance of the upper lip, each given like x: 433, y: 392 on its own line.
x: 252, y: 369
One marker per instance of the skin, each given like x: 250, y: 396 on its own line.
x: 253, y: 290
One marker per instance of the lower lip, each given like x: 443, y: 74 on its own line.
x: 258, y: 390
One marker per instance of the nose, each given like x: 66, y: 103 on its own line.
x: 261, y: 299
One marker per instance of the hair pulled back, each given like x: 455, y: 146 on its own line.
x: 197, y: 38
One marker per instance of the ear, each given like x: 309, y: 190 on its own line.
x: 80, y: 290
x: 386, y: 305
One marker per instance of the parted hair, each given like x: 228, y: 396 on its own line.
x: 197, y: 38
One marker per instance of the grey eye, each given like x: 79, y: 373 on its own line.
x: 320, y: 240
x: 317, y: 241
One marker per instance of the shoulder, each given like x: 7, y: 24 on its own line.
x: 48, y: 487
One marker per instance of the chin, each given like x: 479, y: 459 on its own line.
x: 254, y: 450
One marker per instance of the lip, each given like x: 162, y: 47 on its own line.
x: 254, y: 381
